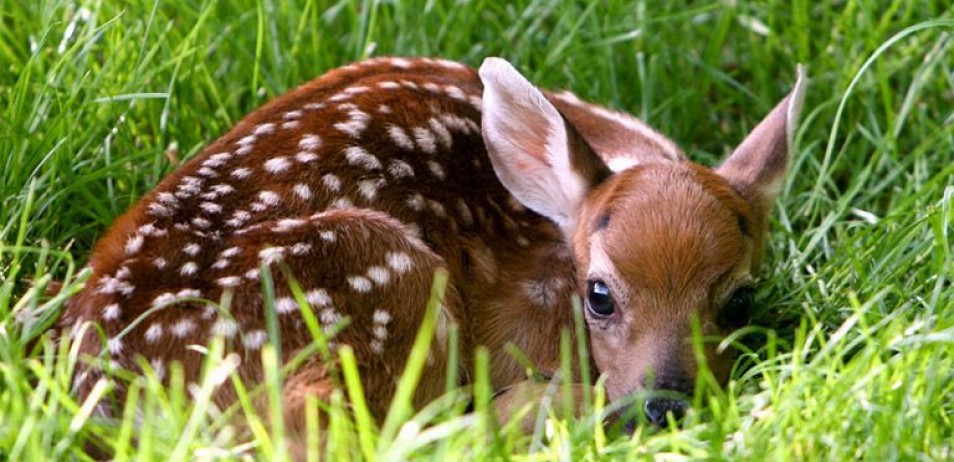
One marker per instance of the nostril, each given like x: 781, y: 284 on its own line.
x: 657, y: 409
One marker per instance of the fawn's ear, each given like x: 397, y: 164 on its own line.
x: 757, y: 167
x: 537, y: 155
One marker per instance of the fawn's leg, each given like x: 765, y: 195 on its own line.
x: 359, y: 269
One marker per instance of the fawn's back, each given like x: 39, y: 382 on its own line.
x: 364, y: 182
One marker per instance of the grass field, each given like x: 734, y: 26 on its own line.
x: 852, y: 355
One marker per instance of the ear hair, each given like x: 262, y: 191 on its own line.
x: 757, y: 167
x: 537, y: 155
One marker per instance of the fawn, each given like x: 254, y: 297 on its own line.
x: 369, y: 179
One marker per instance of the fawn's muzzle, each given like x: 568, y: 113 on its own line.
x: 657, y: 408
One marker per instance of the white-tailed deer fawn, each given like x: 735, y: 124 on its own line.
x: 367, y: 180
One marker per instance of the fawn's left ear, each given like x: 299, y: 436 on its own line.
x: 537, y: 155
x: 757, y: 167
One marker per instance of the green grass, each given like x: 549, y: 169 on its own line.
x: 853, y: 353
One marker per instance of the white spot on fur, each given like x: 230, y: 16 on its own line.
x: 437, y: 208
x: 302, y: 191
x: 269, y: 198
x: 415, y: 202
x: 241, y: 173
x: 270, y: 255
x: 285, y: 305
x: 400, y: 137
x: 443, y: 135
x: 153, y: 333
x: 318, y: 298
x: 111, y: 312
x: 389, y: 85
x: 223, y: 189
x: 191, y: 249
x: 369, y: 188
x: 229, y: 281
x: 332, y: 182
x: 359, y: 284
x: 115, y: 345
x: 463, y: 211
x: 254, y: 339
x: 381, y: 316
x: 461, y: 124
x: 159, y: 262
x: 400, y: 62
x: 400, y: 169
x: 329, y: 317
x: 239, y: 218
x: 287, y: 224
x: 183, y: 327
x: 230, y: 252
x: 163, y: 299
x: 357, y: 122
x: 300, y: 248
x: 201, y: 223
x: 189, y: 269
x: 111, y: 285
x: 455, y: 92
x: 379, y: 274
x: 264, y: 129
x: 327, y: 235
x: 134, y: 244
x: 189, y: 293
x: 306, y: 157
x: 400, y: 262
x: 277, y: 164
x: 167, y: 198
x: 207, y: 172
x: 341, y: 203
x: 358, y: 157
x: 425, y: 139
x: 225, y: 327
x: 436, y: 169
x: 217, y: 160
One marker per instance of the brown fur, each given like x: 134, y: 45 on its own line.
x: 676, y: 235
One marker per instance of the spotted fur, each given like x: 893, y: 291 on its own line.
x: 363, y: 183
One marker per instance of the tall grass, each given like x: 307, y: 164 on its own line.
x: 852, y: 353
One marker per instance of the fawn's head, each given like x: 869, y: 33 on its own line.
x: 657, y: 245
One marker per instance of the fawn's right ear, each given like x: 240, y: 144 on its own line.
x: 536, y: 154
x: 757, y: 167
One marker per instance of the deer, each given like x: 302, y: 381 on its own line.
x: 370, y: 179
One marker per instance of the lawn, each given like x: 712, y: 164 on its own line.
x: 851, y: 355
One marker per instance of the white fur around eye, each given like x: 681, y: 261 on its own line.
x: 602, y: 268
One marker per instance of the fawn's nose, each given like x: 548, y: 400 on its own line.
x: 657, y: 410
x: 671, y: 390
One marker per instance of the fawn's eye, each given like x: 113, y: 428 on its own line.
x: 737, y: 312
x: 598, y: 298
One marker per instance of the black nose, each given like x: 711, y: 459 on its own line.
x: 657, y: 409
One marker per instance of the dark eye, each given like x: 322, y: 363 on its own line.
x: 738, y: 311
x: 598, y: 298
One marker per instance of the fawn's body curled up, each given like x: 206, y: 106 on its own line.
x: 366, y: 181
